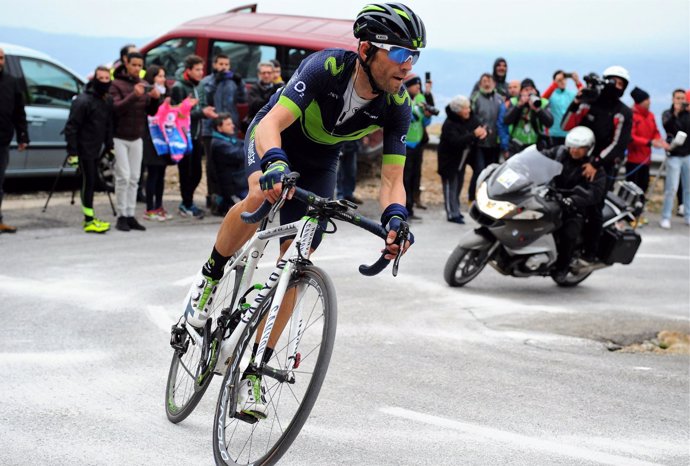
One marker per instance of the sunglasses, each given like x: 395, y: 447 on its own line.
x: 399, y: 54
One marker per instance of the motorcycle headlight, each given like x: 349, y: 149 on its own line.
x: 495, y: 209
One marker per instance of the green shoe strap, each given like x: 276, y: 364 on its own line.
x: 88, y: 211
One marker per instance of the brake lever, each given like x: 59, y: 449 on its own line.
x: 402, y: 235
x: 289, y: 182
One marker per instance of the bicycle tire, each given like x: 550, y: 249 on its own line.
x: 318, y: 334
x: 177, y: 412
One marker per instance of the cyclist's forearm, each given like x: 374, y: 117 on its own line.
x: 392, y: 189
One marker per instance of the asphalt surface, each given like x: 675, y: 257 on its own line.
x: 503, y: 371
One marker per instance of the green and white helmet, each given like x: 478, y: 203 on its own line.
x: 390, y: 23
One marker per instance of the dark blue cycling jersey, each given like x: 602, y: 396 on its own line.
x: 315, y: 96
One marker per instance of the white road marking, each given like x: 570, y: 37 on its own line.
x: 52, y: 358
x: 642, y: 368
x: 662, y: 256
x: 520, y: 441
x: 160, y: 316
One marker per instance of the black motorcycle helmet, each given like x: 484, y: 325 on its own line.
x: 390, y: 23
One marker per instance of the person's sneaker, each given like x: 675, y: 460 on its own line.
x: 197, y: 212
x: 4, y: 228
x: 665, y: 223
x: 199, y: 300
x: 134, y: 224
x: 93, y: 226
x: 98, y: 221
x: 460, y: 219
x: 165, y: 214
x: 154, y: 215
x: 122, y: 224
x: 185, y: 211
x: 251, y: 397
x: 681, y: 210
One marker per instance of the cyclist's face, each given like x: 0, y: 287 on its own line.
x: 388, y: 74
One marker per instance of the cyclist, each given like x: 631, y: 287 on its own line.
x: 334, y: 96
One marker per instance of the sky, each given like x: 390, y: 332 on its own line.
x: 628, y: 26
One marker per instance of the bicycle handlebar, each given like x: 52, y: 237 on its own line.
x: 347, y: 214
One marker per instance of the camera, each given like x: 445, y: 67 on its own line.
x: 429, y: 108
x: 535, y: 100
x: 593, y: 89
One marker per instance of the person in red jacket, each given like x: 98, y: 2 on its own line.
x: 644, y: 136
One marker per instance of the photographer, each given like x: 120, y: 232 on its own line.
x: 421, y: 116
x: 599, y: 108
x: 676, y: 119
x: 487, y: 106
x: 560, y: 99
x: 576, y: 204
x: 528, y: 117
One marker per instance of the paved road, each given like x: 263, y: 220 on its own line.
x: 504, y: 371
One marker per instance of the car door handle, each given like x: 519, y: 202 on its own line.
x: 38, y: 121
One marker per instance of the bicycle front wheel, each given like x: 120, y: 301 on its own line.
x: 240, y: 439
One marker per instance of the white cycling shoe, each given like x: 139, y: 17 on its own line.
x: 199, y: 300
x: 251, y: 399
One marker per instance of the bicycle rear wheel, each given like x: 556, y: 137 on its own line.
x: 239, y: 439
x: 191, y: 370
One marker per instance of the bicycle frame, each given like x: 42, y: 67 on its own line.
x: 248, y: 257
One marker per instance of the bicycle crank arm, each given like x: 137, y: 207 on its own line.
x: 281, y: 376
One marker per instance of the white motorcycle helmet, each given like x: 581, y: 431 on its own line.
x: 580, y: 136
x: 618, y: 72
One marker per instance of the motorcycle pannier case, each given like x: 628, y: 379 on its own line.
x: 618, y: 247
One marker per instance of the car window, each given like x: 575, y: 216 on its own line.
x: 244, y: 57
x: 294, y: 58
x: 171, y: 54
x: 47, y: 84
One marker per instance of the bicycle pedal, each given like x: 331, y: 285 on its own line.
x: 177, y: 338
x: 249, y: 419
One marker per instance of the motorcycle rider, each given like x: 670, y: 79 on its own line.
x: 611, y: 122
x: 578, y: 205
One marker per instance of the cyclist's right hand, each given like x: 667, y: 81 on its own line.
x: 392, y: 219
x: 274, y: 164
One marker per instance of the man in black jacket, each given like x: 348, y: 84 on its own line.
x: 611, y: 121
x: 459, y: 133
x: 90, y: 127
x: 578, y: 204
x: 262, y: 90
x: 12, y: 118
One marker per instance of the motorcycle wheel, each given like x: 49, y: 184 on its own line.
x: 571, y: 279
x: 463, y: 265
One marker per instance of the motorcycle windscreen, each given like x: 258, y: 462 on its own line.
x: 527, y: 168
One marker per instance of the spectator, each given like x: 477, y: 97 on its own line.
x: 261, y: 90
x: 124, y: 51
x: 644, y: 135
x: 675, y: 119
x: 132, y: 100
x: 611, y: 121
x: 513, y: 90
x: 560, y: 99
x: 227, y: 152
x: 528, y: 118
x: 12, y: 119
x: 413, y: 161
x: 277, y: 74
x: 347, y: 172
x: 460, y: 131
x: 500, y: 73
x: 417, y: 181
x: 155, y: 163
x: 89, y: 128
x: 189, y: 167
x: 223, y: 90
x: 487, y: 106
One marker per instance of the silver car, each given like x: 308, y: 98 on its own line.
x: 49, y: 88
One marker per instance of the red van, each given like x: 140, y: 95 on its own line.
x: 248, y: 38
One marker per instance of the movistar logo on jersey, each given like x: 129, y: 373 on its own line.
x: 332, y: 65
x: 314, y: 129
x: 399, y: 99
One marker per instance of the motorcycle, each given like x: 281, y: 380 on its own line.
x: 518, y: 213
